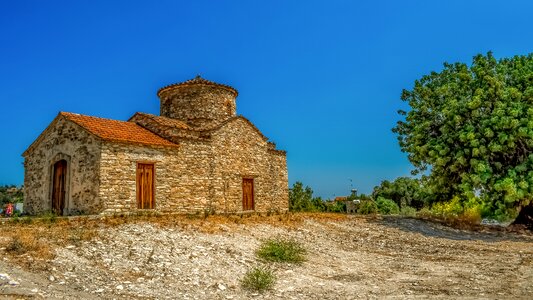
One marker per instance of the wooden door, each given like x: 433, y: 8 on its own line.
x: 247, y: 194
x: 58, y: 187
x: 145, y: 186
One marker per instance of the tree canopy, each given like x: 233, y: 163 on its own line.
x: 471, y: 127
x: 404, y: 191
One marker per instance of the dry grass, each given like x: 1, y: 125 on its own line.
x: 30, y: 240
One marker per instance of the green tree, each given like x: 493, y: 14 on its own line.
x: 404, y: 191
x: 10, y: 194
x: 301, y: 199
x: 472, y: 128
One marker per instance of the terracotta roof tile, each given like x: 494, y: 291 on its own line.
x: 195, y: 81
x: 118, y: 131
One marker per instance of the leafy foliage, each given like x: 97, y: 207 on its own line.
x: 404, y: 191
x: 387, y: 206
x: 408, y: 211
x: 281, y: 250
x: 258, y: 279
x: 10, y: 194
x: 472, y: 126
x: 301, y: 199
x: 367, y: 207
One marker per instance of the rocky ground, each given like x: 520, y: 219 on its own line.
x: 348, y: 257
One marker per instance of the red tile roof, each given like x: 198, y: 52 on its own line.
x: 117, y: 131
x: 197, y: 81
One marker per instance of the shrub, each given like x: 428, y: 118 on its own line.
x: 424, y: 213
x: 367, y: 207
x: 258, y: 279
x: 408, y: 211
x: 450, y: 209
x: 387, y: 206
x: 281, y: 250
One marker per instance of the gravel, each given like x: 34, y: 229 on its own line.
x: 354, y: 257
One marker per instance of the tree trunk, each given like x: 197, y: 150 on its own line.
x: 525, y: 217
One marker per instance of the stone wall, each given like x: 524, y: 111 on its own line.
x: 240, y: 151
x: 182, y: 181
x: 200, y: 175
x: 63, y: 140
x: 198, y: 105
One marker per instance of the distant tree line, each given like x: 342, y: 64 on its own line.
x: 10, y: 194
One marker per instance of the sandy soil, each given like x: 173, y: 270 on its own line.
x: 348, y: 258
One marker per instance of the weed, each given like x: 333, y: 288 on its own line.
x: 281, y: 250
x: 258, y: 279
x: 49, y: 217
x: 79, y: 234
x: 16, y: 246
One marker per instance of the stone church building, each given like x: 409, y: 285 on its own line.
x: 197, y: 155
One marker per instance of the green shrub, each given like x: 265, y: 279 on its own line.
x: 408, y: 211
x: 258, y: 279
x: 367, y: 207
x: 387, y: 206
x: 281, y: 250
x: 424, y: 213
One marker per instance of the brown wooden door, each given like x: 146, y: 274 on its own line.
x: 58, y: 187
x: 247, y: 194
x: 145, y: 186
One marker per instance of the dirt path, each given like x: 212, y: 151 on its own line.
x: 348, y: 258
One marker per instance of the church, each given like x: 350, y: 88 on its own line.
x: 198, y: 155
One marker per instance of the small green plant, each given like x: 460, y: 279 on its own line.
x: 49, y: 217
x: 258, y: 279
x: 367, y: 207
x: 281, y: 250
x: 387, y: 206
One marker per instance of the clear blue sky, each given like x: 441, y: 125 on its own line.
x: 322, y: 79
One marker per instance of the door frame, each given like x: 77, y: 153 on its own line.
x: 252, y: 179
x: 137, y: 202
x: 67, y: 200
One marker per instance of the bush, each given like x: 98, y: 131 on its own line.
x: 387, y: 206
x: 367, y: 207
x: 408, y: 211
x: 281, y: 250
x: 258, y: 279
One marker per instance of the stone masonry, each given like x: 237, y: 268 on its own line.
x: 200, y: 149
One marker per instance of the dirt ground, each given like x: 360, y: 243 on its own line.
x: 348, y: 257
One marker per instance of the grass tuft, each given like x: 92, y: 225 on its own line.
x: 281, y: 250
x: 258, y: 279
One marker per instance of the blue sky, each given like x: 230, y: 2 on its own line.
x: 322, y: 79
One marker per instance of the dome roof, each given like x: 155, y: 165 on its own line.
x: 196, y: 81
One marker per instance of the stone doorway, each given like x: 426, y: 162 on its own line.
x: 59, y: 187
